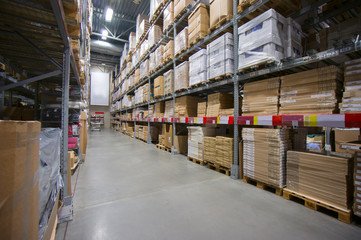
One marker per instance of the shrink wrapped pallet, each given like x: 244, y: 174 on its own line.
x: 143, y: 48
x: 144, y: 69
x: 180, y: 5
x: 220, y: 56
x: 142, y: 29
x: 198, y: 67
x: 154, y: 5
x: 198, y: 23
x: 181, y: 76
x: 168, y: 82
x: 186, y: 106
x: 168, y: 16
x: 220, y: 10
x: 159, y: 86
x: 261, y: 97
x: 351, y: 101
x: 181, y: 41
x: 168, y: 51
x: 313, y: 91
x: 155, y: 33
x: 158, y: 56
x: 132, y: 41
x: 137, y: 76
x: 324, y: 178
x: 264, y: 155
x: 195, y: 140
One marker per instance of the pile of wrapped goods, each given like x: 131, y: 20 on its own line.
x: 186, y: 106
x: 357, y: 183
x: 268, y: 37
x: 261, y: 97
x: 142, y: 26
x: 168, y: 16
x: 201, y: 109
x: 143, y: 48
x: 159, y: 86
x: 181, y: 41
x: 219, y: 11
x: 158, y: 56
x: 224, y: 151
x: 154, y: 5
x: 313, y: 91
x: 137, y: 76
x: 155, y: 34
x: 159, y: 110
x: 218, y: 101
x: 198, y: 23
x: 326, y: 179
x: 168, y: 82
x: 210, y: 149
x: 135, y: 58
x: 138, y: 95
x: 181, y: 76
x: 168, y: 109
x: 198, y: 67
x: 144, y: 69
x: 132, y: 41
x: 180, y: 5
x: 195, y: 140
x: 220, y: 56
x: 148, y: 92
x: 130, y: 128
x: 351, y: 101
x: 264, y: 155
x: 168, y: 51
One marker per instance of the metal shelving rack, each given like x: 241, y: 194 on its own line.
x: 353, y: 50
x: 36, y: 37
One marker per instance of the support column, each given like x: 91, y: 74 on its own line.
x: 174, y: 150
x: 235, y: 165
x: 149, y: 139
x: 2, y: 97
x: 36, y: 102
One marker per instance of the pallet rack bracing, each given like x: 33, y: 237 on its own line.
x: 239, y: 78
x: 38, y: 38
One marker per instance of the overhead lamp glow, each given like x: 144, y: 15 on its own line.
x: 109, y: 14
x: 104, y: 34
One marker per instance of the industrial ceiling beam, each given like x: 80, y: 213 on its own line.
x: 113, y: 38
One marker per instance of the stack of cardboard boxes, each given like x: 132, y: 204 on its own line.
x: 181, y: 76
x: 357, y: 183
x: 159, y: 86
x: 186, y: 106
x: 219, y: 11
x: 210, y: 149
x: 168, y: 111
x: 264, y: 155
x: 180, y: 5
x: 168, y: 16
x: 315, y: 91
x: 202, y: 109
x: 181, y: 41
x: 168, y: 51
x: 261, y: 97
x: 198, y: 67
x: 351, y: 101
x: 218, y: 101
x: 224, y: 151
x: 159, y: 110
x: 168, y: 82
x: 325, y: 178
x: 195, y: 141
x: 166, y: 138
x: 198, y: 23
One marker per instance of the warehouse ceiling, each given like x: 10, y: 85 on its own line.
x: 122, y: 23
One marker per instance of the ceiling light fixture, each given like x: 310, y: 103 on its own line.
x: 136, y: 1
x: 104, y: 34
x: 109, y: 14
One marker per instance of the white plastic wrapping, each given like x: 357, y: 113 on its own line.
x: 181, y: 76
x: 168, y: 82
x: 154, y: 5
x: 198, y: 67
x: 144, y: 69
x: 181, y: 41
x: 143, y: 48
x: 50, y: 180
x: 132, y: 41
x: 158, y: 56
x: 155, y: 33
x: 168, y: 16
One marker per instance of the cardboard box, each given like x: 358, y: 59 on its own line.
x: 224, y: 151
x: 218, y: 101
x: 181, y: 143
x: 50, y: 231
x: 168, y: 51
x: 168, y: 82
x: 186, y: 106
x: 180, y: 5
x: 198, y: 23
x: 168, y: 16
x: 19, y: 165
x: 202, y: 109
x: 210, y: 149
x: 167, y: 131
x: 344, y: 136
x: 195, y: 140
x: 181, y: 76
x: 219, y: 10
x: 159, y: 86
x: 168, y: 109
x: 325, y: 178
x: 159, y: 110
x: 181, y: 41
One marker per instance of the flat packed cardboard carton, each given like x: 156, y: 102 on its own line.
x: 18, y: 177
x: 181, y: 76
x: 181, y: 143
x: 201, y: 109
x: 195, y: 140
x: 218, y: 101
x: 180, y: 5
x: 344, y: 136
x: 219, y: 10
x: 168, y: 82
x: 159, y: 86
x: 357, y: 184
x: 186, y: 106
x: 168, y: 51
x: 167, y: 131
x: 168, y: 16
x: 198, y: 23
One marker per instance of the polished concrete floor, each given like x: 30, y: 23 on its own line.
x: 130, y: 190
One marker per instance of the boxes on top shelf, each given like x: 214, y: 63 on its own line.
x: 181, y: 76
x: 220, y: 12
x: 262, y: 39
x: 154, y: 5
x: 168, y: 16
x: 314, y: 91
x: 198, y: 23
x: 181, y: 41
x: 327, y: 179
x: 351, y: 101
x: 261, y: 97
x: 186, y: 106
x: 220, y: 56
x: 168, y: 82
x: 143, y: 48
x: 198, y: 67
x: 142, y: 27
x: 180, y: 5
x: 132, y: 41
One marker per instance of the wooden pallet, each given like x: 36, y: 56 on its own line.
x: 182, y: 51
x: 73, y: 169
x: 219, y: 77
x: 264, y: 186
x: 258, y: 66
x: 222, y: 20
x: 157, y: 11
x: 219, y: 168
x: 164, y: 148
x: 342, y: 214
x: 141, y: 139
x: 181, y: 89
x: 195, y: 160
x: 166, y: 60
x: 199, y: 36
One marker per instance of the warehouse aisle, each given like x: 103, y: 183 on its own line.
x: 130, y: 190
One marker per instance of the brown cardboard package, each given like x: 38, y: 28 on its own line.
x: 186, y: 106
x: 19, y: 215
x: 168, y: 109
x: 219, y: 10
x: 351, y: 102
x: 180, y: 5
x: 181, y: 41
x: 210, y: 149
x: 168, y: 82
x: 181, y: 143
x: 167, y: 131
x: 168, y: 16
x: 198, y: 23
x: 218, y: 101
x: 344, y: 136
x: 168, y: 51
x: 357, y: 184
x: 201, y: 109
x: 159, y: 110
x: 224, y: 151
x: 181, y: 76
x: 196, y: 140
x: 159, y: 86
x: 325, y: 178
